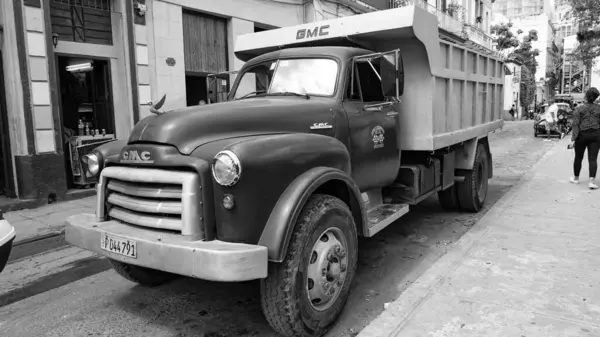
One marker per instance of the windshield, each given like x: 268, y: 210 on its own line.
x: 311, y: 76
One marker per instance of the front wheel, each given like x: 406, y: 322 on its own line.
x: 305, y: 294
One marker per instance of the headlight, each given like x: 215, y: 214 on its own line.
x: 92, y: 162
x: 226, y: 168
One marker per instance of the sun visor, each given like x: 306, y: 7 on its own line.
x: 379, y: 31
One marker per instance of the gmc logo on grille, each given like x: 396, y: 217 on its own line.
x: 133, y: 156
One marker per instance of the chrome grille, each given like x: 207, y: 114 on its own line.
x: 162, y: 199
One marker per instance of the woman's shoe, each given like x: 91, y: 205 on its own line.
x: 572, y: 180
x: 592, y: 186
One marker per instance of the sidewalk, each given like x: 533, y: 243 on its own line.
x: 530, y: 267
x: 47, y: 220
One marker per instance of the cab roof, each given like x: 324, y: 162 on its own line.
x: 342, y: 53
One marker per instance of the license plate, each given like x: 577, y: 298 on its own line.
x: 118, y: 245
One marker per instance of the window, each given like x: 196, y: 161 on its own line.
x: 369, y: 82
x: 262, y: 75
x: 311, y: 76
x: 82, y: 20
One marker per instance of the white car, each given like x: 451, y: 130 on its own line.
x: 7, y: 236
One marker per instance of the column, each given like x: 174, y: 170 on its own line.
x: 40, y: 89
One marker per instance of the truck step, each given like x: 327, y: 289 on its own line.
x: 383, y: 215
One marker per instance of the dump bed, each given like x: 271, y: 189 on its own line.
x: 452, y: 92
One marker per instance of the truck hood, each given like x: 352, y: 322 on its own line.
x: 191, y: 127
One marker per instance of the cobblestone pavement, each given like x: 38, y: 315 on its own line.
x: 107, y: 305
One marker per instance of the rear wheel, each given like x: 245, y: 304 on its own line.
x: 305, y: 294
x: 448, y: 199
x: 473, y: 190
x: 142, y: 275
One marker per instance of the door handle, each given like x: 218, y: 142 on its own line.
x: 392, y: 114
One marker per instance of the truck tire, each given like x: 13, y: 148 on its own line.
x: 448, y: 199
x: 304, y: 295
x: 141, y: 275
x: 473, y: 190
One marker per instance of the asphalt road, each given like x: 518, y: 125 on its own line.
x: 107, y: 305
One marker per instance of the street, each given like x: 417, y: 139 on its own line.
x: 105, y: 304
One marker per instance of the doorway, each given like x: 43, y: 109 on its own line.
x: 195, y: 90
x: 87, y: 112
x: 6, y: 176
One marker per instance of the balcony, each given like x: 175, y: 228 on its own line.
x: 479, y: 36
x: 449, y: 23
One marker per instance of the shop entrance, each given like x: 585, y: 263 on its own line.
x: 195, y: 90
x: 87, y: 113
x: 6, y: 177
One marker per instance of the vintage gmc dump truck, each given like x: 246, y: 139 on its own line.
x: 331, y: 130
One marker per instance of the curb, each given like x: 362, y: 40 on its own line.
x: 391, y: 321
x: 37, y: 245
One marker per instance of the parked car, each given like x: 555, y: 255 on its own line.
x: 7, y: 236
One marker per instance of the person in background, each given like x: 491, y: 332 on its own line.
x: 512, y: 112
x: 586, y: 135
x: 551, y: 118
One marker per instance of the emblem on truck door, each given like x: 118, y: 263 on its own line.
x: 378, y: 137
x: 133, y: 156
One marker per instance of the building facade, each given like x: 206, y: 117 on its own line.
x: 514, y: 9
x: 76, y: 74
x: 42, y: 40
x: 468, y: 19
x: 576, y: 79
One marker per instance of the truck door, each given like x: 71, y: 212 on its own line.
x: 372, y: 126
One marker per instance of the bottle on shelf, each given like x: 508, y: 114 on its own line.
x: 80, y: 127
x: 87, y: 128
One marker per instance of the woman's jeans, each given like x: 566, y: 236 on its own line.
x: 590, y: 140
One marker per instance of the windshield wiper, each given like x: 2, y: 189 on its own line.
x: 252, y: 93
x: 288, y: 93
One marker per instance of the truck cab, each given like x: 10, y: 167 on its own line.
x: 320, y: 141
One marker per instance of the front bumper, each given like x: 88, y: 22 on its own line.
x: 7, y: 236
x: 173, y: 253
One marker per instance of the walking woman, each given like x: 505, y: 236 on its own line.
x: 586, y: 135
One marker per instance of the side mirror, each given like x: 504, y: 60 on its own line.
x: 392, y: 74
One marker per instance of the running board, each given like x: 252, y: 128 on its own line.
x: 383, y: 215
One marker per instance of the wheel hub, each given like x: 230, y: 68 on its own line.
x: 327, y: 268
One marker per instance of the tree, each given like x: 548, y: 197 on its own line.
x: 527, y: 90
x: 504, y: 38
x: 526, y: 54
x: 586, y: 14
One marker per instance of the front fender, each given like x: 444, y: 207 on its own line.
x: 278, y: 230
x: 107, y: 151
x: 270, y: 163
